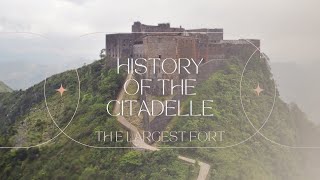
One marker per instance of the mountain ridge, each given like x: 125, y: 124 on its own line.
x: 25, y: 121
x: 4, y: 87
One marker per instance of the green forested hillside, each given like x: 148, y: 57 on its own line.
x: 4, y: 87
x: 246, y: 157
x: 25, y: 122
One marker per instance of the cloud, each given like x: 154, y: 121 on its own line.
x: 282, y: 25
x: 11, y: 25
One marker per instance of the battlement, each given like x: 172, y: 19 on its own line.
x: 163, y: 41
x: 161, y: 27
x: 207, y: 43
x: 163, y: 49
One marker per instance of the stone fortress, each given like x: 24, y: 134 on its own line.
x: 163, y: 41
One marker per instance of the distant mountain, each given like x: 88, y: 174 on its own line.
x: 4, y: 87
x: 29, y: 73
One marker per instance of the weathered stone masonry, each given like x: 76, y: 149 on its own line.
x: 163, y: 41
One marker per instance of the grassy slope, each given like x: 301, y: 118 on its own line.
x: 256, y: 158
x: 25, y: 122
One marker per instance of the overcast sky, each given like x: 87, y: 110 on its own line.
x: 288, y: 28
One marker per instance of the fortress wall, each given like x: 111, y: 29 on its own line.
x: 202, y: 50
x: 213, y: 35
x: 241, y: 50
x: 198, y: 44
x: 138, y: 51
x: 210, y: 67
x: 111, y: 45
x: 216, y: 51
x: 187, y: 47
x: 160, y: 47
x: 119, y: 45
x: 226, y: 49
x: 169, y: 47
x: 160, y: 123
x: 181, y: 44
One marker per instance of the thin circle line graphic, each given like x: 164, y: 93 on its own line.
x: 260, y: 133
x: 62, y: 130
x: 78, y: 102
x: 257, y: 130
x: 104, y: 147
x: 30, y: 33
x: 45, y: 142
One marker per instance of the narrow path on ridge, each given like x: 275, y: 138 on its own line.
x: 140, y: 144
